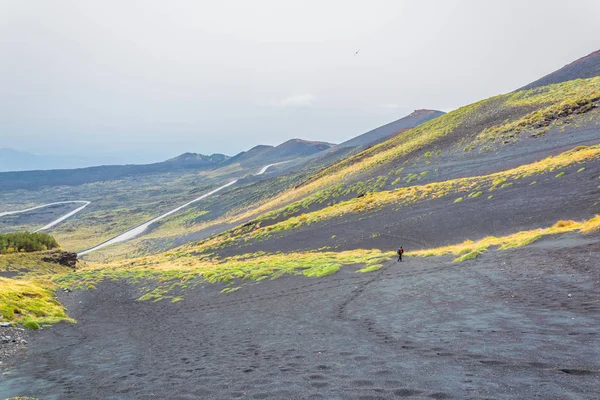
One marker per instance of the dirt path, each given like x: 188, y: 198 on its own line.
x: 501, y: 326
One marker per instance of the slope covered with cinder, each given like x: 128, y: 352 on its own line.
x: 374, y: 136
x: 294, y: 290
x: 492, y: 135
x: 487, y: 137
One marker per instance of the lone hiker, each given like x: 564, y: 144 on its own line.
x: 400, y: 252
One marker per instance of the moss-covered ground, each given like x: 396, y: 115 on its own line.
x: 30, y: 302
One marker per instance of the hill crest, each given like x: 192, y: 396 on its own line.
x: 582, y: 68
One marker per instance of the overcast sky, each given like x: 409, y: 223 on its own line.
x: 157, y: 78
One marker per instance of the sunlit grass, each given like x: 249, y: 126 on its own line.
x: 171, y: 272
x: 407, y: 195
x: 24, y: 301
x: 471, y: 249
x: 559, y: 100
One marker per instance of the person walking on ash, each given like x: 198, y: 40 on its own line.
x: 400, y: 252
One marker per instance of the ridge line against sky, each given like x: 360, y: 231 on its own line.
x: 150, y: 79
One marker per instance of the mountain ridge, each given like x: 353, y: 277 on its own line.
x: 585, y: 67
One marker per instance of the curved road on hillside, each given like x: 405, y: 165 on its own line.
x: 141, y: 228
x: 135, y: 231
x: 266, y: 167
x: 56, y: 221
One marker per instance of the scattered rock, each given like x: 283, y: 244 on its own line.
x: 65, y: 258
x: 12, y: 341
x: 66, y: 290
x: 5, y: 324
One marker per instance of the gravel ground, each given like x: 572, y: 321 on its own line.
x: 514, y: 324
x: 12, y: 341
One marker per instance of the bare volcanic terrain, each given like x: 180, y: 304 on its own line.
x: 511, y: 324
x: 285, y: 286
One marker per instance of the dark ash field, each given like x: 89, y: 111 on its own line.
x: 511, y: 324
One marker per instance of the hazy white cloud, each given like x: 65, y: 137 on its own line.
x: 164, y: 77
x: 299, y: 100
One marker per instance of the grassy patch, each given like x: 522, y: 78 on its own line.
x: 318, y: 271
x: 371, y: 268
x: 470, y: 249
x: 559, y: 174
x: 171, y: 273
x: 556, y: 104
x: 231, y: 289
x: 468, y: 256
x: 458, y: 200
x: 29, y: 301
x: 31, y: 325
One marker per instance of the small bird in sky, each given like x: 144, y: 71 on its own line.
x: 356, y: 52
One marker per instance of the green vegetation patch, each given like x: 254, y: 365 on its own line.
x: 169, y: 273
x: 556, y: 104
x: 469, y: 249
x: 31, y: 302
x: 22, y: 242
x: 371, y: 268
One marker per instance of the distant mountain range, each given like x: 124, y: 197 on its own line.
x: 20, y: 167
x: 294, y: 148
x: 257, y: 156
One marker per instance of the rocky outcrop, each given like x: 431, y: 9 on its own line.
x: 65, y: 258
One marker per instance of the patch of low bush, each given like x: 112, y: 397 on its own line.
x: 21, y: 242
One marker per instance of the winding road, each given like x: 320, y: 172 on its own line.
x: 130, y: 234
x: 138, y: 230
x: 56, y: 221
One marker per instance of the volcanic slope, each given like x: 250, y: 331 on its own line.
x: 585, y: 67
x: 372, y: 137
x: 211, y: 215
x: 496, y: 204
x: 493, y: 135
x: 499, y: 134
